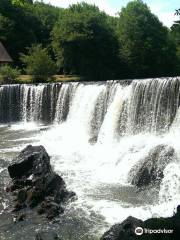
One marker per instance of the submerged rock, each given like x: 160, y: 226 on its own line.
x: 36, y: 184
x: 150, y: 170
x: 19, y: 218
x: 151, y: 229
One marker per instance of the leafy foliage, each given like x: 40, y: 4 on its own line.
x: 144, y: 42
x: 38, y: 63
x: 24, y: 25
x: 86, y: 41
x: 47, y: 16
x: 177, y: 12
x: 21, y: 2
x: 8, y: 74
x: 175, y: 35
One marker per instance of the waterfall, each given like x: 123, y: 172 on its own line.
x: 85, y: 107
x: 119, y: 107
x: 153, y: 104
x: 114, y: 123
x: 63, y: 102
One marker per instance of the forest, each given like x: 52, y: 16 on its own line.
x: 84, y: 41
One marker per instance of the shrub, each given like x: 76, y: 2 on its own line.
x: 8, y: 74
x: 38, y: 63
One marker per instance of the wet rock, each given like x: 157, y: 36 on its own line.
x: 54, y: 211
x: 54, y: 184
x: 51, y: 208
x: 124, y: 230
x: 22, y: 195
x: 19, y: 218
x: 18, y: 206
x: 50, y: 183
x: 161, y: 228
x: 32, y: 160
x: 35, y: 183
x: 50, y: 235
x: 150, y: 170
x: 34, y: 197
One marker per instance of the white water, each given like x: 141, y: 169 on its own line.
x: 88, y: 168
x: 127, y: 121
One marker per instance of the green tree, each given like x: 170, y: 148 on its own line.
x: 38, y: 63
x: 85, y: 43
x: 47, y: 15
x: 8, y: 74
x: 175, y: 34
x: 21, y: 2
x: 22, y: 25
x: 22, y: 29
x: 145, y: 44
x: 6, y: 26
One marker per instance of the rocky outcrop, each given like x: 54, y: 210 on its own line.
x: 35, y: 184
x: 150, y: 170
x: 32, y: 160
x: 161, y: 228
x: 124, y: 230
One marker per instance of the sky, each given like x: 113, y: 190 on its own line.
x: 164, y: 9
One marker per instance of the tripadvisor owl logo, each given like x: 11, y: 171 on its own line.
x: 139, y: 231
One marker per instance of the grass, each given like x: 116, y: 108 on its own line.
x: 66, y: 78
x: 55, y: 78
x: 24, y: 79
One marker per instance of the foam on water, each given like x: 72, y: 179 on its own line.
x: 86, y: 167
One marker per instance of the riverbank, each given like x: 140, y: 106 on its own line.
x: 56, y: 78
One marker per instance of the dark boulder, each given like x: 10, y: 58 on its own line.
x: 35, y: 183
x: 124, y: 230
x: 22, y: 196
x: 32, y: 160
x: 54, y: 184
x: 151, y: 229
x: 34, y: 197
x: 150, y: 170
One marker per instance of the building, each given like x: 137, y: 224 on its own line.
x: 4, y: 56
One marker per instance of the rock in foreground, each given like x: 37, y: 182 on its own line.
x: 161, y: 229
x: 35, y: 184
x: 124, y: 230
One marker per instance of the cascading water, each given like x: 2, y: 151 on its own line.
x: 98, y: 133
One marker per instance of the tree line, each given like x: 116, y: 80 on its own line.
x: 85, y: 41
